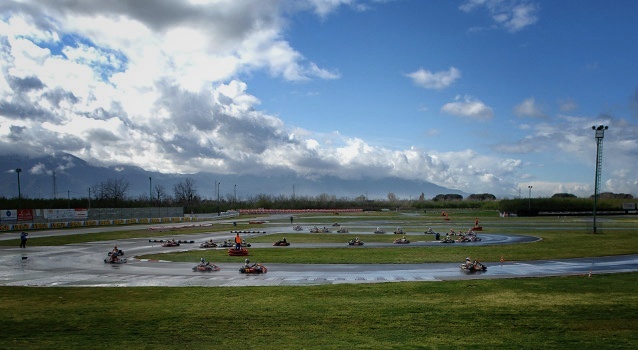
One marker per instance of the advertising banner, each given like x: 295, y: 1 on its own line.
x: 25, y: 215
x: 9, y: 215
x: 66, y: 214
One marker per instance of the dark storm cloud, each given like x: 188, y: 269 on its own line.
x: 232, y: 21
x: 26, y: 84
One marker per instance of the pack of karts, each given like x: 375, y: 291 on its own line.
x: 468, y: 238
x: 447, y: 239
x: 355, y: 241
x: 281, y: 243
x: 170, y: 243
x: 474, y: 266
x: 401, y: 241
x: 208, y: 244
x: 319, y: 230
x: 253, y: 269
x: 206, y: 267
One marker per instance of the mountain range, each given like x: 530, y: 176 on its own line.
x: 67, y: 176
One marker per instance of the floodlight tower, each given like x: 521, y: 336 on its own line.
x: 599, y: 134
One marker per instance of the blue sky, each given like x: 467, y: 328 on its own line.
x: 483, y: 96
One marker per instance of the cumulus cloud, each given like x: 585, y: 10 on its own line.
x: 468, y: 107
x: 162, y: 88
x: 513, y: 15
x: 435, y: 80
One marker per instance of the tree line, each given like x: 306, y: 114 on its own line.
x: 113, y: 193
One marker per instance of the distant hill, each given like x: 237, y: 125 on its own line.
x: 73, y: 177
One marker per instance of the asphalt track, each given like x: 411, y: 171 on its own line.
x: 82, y: 264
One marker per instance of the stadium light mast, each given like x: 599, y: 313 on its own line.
x: 599, y: 134
x: 529, y: 201
x: 18, y: 171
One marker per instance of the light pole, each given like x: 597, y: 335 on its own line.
x: 235, y: 198
x: 150, y: 196
x: 529, y: 201
x: 19, y: 191
x: 599, y: 134
x: 218, y: 210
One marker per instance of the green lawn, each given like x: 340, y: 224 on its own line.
x: 576, y: 312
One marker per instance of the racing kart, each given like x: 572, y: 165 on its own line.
x: 473, y: 238
x: 281, y: 243
x: 114, y: 259
x: 399, y: 231
x: 297, y: 228
x: 401, y: 241
x: 231, y: 244
x: 119, y: 252
x: 170, y: 244
x: 226, y: 244
x: 378, y: 230
x: 468, y: 238
x: 253, y: 269
x: 208, y: 267
x: 473, y: 266
x: 208, y: 244
x: 319, y: 230
x: 447, y: 240
x: 343, y: 230
x: 355, y: 242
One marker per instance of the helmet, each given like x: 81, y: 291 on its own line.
x: 202, y: 259
x: 246, y: 261
x: 467, y: 259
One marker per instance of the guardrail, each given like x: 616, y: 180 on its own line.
x: 91, y: 223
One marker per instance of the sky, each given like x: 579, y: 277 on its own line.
x: 482, y: 96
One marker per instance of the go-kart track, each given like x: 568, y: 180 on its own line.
x: 83, y: 265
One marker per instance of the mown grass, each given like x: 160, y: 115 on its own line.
x: 574, y: 312
x: 554, y: 244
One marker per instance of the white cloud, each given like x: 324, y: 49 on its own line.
x: 117, y: 84
x: 513, y: 15
x: 435, y: 80
x: 529, y: 108
x: 468, y: 107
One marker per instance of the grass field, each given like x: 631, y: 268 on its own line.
x: 577, y: 312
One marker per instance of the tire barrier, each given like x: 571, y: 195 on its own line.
x: 247, y: 231
x: 238, y: 252
x: 167, y: 240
